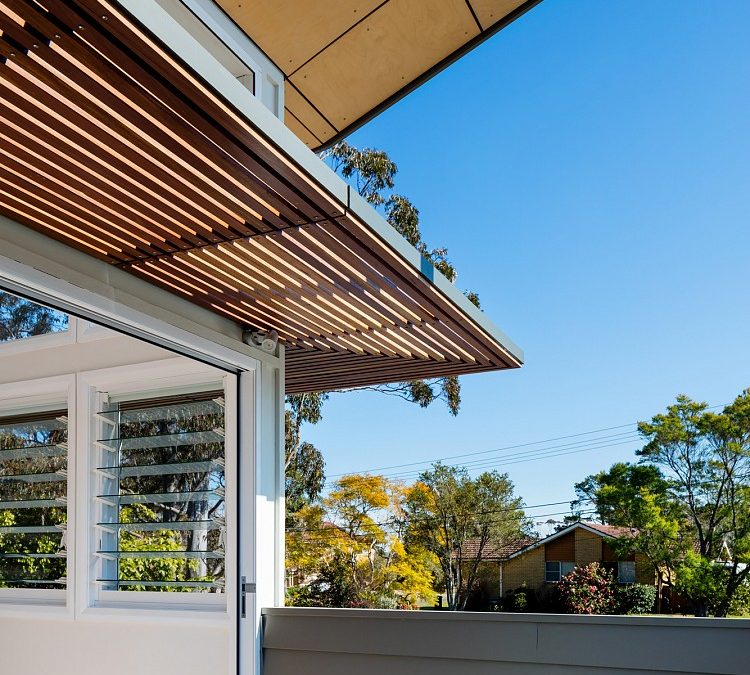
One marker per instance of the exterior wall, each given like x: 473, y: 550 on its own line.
x: 588, y: 547
x: 111, y: 645
x: 339, y: 642
x: 580, y: 546
x: 489, y: 576
x: 562, y: 548
x: 525, y: 569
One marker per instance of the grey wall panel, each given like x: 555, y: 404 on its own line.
x: 360, y: 642
x: 294, y: 663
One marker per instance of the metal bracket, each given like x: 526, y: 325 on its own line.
x: 245, y: 588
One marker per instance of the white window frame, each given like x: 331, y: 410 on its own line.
x: 78, y: 330
x: 39, y: 394
x: 623, y: 565
x: 149, y: 379
x: 569, y: 567
x: 268, y: 77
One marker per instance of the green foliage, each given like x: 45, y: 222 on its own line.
x: 25, y: 435
x: 588, y: 590
x: 446, y: 508
x: 635, y: 599
x: 638, y: 497
x: 372, y: 173
x: 690, y: 493
x: 519, y: 600
x: 304, y: 463
x: 334, y: 585
x: 153, y: 569
x: 350, y: 549
x: 740, y: 603
x: 701, y: 580
x: 370, y: 170
x: 165, y: 568
x: 305, y: 477
x: 706, y: 459
x: 21, y: 318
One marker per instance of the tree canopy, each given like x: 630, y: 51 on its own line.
x: 348, y: 550
x: 21, y: 318
x: 688, y: 500
x: 446, y: 508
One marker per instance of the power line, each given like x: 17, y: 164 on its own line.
x: 486, y: 452
x: 505, y: 509
x: 543, y: 453
x: 540, y: 451
x: 527, y: 456
x: 335, y: 532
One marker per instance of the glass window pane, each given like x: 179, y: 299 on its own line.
x: 161, y: 494
x: 566, y: 568
x: 33, y: 499
x: 552, y: 572
x: 626, y: 572
x: 21, y: 318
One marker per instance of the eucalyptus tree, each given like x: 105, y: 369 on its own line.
x: 372, y: 173
x: 21, y: 318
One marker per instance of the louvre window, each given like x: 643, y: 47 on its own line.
x: 33, y: 500
x: 161, y: 494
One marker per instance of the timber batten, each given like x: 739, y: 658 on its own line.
x: 112, y: 145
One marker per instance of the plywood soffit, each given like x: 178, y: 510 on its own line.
x: 345, y: 60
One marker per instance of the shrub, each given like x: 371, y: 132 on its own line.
x: 549, y: 600
x: 740, y: 604
x: 588, y: 590
x: 520, y: 600
x: 635, y: 599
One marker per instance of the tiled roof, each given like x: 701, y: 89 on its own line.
x: 610, y: 530
x: 501, y: 551
x: 494, y: 550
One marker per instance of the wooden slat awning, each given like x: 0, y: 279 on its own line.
x: 112, y: 144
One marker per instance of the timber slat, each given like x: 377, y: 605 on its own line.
x: 110, y: 144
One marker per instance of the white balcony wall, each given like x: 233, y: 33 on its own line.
x: 307, y: 641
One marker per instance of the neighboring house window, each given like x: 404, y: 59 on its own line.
x: 556, y: 570
x: 626, y: 572
x: 161, y: 493
x: 33, y: 499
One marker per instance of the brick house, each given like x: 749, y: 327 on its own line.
x: 535, y: 564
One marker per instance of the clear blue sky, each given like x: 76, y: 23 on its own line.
x: 588, y: 169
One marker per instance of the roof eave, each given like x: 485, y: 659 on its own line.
x: 430, y: 73
x: 184, y: 45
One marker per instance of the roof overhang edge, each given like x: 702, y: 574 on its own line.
x: 190, y: 51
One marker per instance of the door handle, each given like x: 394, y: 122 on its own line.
x: 245, y: 588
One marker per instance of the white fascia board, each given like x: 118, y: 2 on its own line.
x: 149, y: 13
x: 45, y: 269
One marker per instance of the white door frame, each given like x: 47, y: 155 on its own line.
x: 44, y: 270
